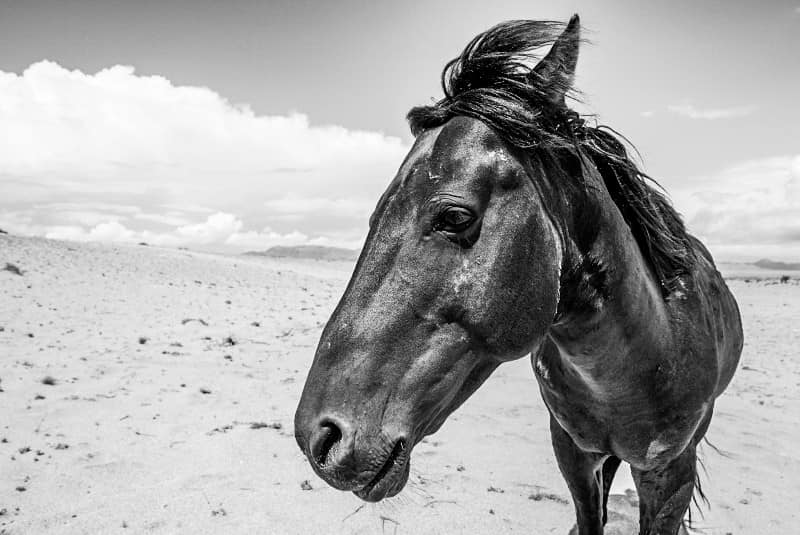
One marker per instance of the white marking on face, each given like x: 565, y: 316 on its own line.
x: 656, y: 448
x: 433, y: 178
x: 423, y: 146
x: 463, y: 275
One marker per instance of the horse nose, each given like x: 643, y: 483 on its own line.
x: 331, y: 446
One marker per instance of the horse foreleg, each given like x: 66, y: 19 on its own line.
x: 665, y: 494
x: 609, y: 470
x: 583, y: 472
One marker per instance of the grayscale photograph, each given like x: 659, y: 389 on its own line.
x: 442, y: 267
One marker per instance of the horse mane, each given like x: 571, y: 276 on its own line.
x: 492, y: 81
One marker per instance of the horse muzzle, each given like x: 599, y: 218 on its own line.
x: 374, y: 468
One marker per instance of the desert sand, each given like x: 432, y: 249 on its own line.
x: 149, y: 390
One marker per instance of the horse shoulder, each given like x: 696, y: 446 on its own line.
x: 706, y: 322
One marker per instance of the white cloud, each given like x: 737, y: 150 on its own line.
x: 221, y: 229
x: 117, y: 156
x: 217, y: 228
x: 109, y: 231
x: 747, y: 211
x: 692, y: 112
x: 76, y: 149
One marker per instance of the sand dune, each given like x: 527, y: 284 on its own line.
x: 147, y: 390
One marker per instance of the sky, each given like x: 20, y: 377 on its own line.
x: 241, y: 125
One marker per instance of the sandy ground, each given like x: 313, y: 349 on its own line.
x: 156, y: 424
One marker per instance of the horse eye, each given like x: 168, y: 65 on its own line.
x: 454, y: 220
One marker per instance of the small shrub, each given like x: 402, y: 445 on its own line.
x: 198, y: 320
x: 540, y: 496
x: 264, y: 425
x: 11, y: 268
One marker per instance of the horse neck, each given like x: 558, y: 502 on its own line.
x: 610, y: 304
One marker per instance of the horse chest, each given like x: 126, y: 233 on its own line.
x: 576, y: 414
x: 616, y: 420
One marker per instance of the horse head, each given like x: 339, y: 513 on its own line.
x: 459, y: 273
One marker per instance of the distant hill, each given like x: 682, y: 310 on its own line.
x: 772, y: 264
x: 314, y: 252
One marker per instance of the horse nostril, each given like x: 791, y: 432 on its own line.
x: 326, y: 438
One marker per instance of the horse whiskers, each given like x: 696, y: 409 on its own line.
x: 386, y: 506
x: 418, y: 491
x: 357, y: 509
x: 416, y: 486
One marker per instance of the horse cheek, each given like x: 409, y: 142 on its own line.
x: 518, y: 300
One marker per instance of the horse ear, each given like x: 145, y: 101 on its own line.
x: 555, y: 73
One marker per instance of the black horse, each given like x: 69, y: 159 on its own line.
x: 514, y: 228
